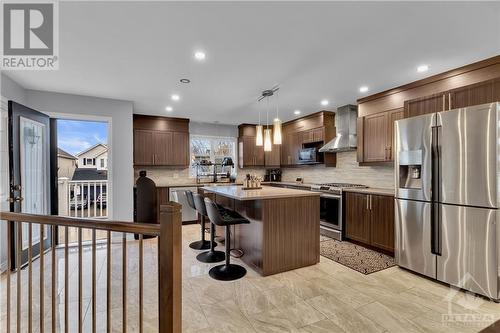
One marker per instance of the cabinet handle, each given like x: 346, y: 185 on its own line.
x: 444, y: 102
x: 367, y: 202
x: 154, y: 158
x: 371, y: 202
x: 449, y: 101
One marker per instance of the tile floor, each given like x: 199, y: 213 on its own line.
x: 327, y: 297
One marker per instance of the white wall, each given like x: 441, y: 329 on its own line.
x: 118, y: 113
x: 210, y: 129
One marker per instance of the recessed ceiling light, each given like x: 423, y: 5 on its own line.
x: 185, y: 80
x: 296, y: 112
x: 422, y: 68
x: 363, y: 89
x: 324, y: 102
x: 175, y: 97
x: 169, y: 109
x: 200, y: 55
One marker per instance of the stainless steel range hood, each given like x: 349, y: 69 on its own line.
x: 345, y: 123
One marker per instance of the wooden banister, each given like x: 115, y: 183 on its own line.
x: 170, y: 268
x: 169, y: 247
x: 61, y: 221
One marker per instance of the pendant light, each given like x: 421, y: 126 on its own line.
x: 277, y: 126
x: 259, y: 141
x: 268, y: 146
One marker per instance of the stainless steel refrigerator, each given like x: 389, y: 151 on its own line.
x: 447, y: 170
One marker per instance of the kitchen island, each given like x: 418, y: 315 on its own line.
x: 283, y: 233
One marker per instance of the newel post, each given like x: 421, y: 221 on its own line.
x: 170, y: 268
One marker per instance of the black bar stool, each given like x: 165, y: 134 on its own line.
x: 227, y: 271
x: 201, y: 244
x: 211, y: 255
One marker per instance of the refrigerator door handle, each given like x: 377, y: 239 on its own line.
x: 435, y: 193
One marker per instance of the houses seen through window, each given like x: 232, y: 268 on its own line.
x: 208, y: 150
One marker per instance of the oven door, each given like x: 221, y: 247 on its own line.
x: 331, y: 211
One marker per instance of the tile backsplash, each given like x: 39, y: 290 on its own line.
x: 169, y: 177
x: 347, y: 171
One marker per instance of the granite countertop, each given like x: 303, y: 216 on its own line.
x: 372, y: 190
x: 267, y: 192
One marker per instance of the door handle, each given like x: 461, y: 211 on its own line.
x: 15, y: 187
x: 15, y: 199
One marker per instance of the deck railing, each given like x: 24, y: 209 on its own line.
x: 83, y: 198
x: 169, y: 256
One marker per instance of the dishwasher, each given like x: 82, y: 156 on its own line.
x: 177, y: 194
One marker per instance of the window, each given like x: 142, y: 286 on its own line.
x: 89, y: 161
x: 212, y: 149
x: 102, y: 162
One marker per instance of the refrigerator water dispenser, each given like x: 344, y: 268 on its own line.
x: 410, y: 169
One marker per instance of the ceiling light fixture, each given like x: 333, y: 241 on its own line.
x: 422, y: 68
x: 268, y: 142
x: 185, y: 80
x: 296, y: 112
x: 325, y: 102
x: 169, y: 109
x: 175, y: 97
x: 200, y: 55
x: 363, y: 89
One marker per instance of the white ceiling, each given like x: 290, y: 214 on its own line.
x: 139, y: 51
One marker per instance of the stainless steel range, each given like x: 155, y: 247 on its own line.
x: 331, y: 207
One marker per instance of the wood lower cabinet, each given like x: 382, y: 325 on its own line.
x: 370, y: 219
x: 382, y: 222
x: 161, y: 141
x: 357, y: 217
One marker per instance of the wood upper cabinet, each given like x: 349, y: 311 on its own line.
x: 357, y: 217
x: 375, y: 137
x: 393, y: 116
x: 469, y: 95
x: 273, y: 158
x: 143, y: 147
x: 290, y: 148
x: 475, y: 94
x: 162, y: 148
x: 370, y: 219
x: 180, y: 148
x: 249, y: 154
x: 427, y: 104
x: 161, y: 141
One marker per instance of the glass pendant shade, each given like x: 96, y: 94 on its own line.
x: 259, y: 140
x: 267, y: 140
x: 277, y: 131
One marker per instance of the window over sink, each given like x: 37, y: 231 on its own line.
x: 211, y: 149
